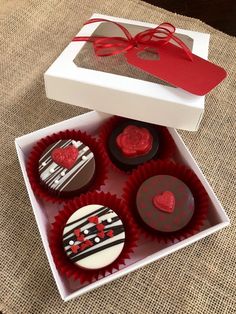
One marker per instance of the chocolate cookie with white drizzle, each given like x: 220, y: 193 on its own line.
x: 66, y: 167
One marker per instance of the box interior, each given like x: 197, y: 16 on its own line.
x: 147, y: 251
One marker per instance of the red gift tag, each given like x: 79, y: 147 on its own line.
x: 174, y: 64
x: 197, y: 76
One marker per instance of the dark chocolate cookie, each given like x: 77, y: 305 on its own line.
x: 133, y: 143
x: 165, y: 203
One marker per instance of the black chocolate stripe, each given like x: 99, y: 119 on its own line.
x: 86, y: 254
x: 86, y: 222
x: 91, y: 230
x: 117, y: 230
x: 86, y: 216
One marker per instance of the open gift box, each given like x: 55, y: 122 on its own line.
x: 73, y: 79
x: 147, y: 250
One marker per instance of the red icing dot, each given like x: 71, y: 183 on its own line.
x: 134, y: 141
x: 142, y: 205
x: 148, y: 214
x: 190, y: 206
x: 176, y: 221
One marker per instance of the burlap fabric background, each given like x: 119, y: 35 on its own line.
x: 198, y: 279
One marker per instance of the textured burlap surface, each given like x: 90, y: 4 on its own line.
x: 198, y: 279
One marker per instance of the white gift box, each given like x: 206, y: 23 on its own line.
x: 122, y: 95
x: 147, y: 251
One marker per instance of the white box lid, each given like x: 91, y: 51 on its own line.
x: 121, y: 95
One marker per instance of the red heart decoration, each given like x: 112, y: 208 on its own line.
x: 110, y: 233
x: 80, y: 237
x: 74, y: 248
x: 164, y: 201
x: 86, y: 244
x: 101, y: 234
x: 65, y: 157
x: 100, y: 227
x: 93, y: 219
x: 77, y: 232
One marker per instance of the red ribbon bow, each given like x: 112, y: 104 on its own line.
x: 153, y: 37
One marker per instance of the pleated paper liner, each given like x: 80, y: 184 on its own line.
x: 165, y: 152
x: 101, y: 165
x: 63, y: 263
x: 152, y: 168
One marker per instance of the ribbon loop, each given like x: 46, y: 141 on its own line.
x: 153, y: 37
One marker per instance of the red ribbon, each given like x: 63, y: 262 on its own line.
x: 152, y: 37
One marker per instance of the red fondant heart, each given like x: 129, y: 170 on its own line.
x: 100, y: 227
x: 110, y: 233
x: 77, y: 232
x: 65, y: 157
x: 80, y: 237
x: 101, y: 234
x: 93, y: 219
x: 74, y: 248
x: 165, y: 201
x: 86, y: 244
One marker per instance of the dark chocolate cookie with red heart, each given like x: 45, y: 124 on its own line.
x: 165, y: 203
x: 66, y: 166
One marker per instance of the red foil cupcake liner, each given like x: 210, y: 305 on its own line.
x: 63, y: 264
x: 167, y: 145
x: 181, y: 172
x: 32, y: 164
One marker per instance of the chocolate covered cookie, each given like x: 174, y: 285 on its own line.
x: 132, y: 143
x: 165, y: 203
x: 93, y: 237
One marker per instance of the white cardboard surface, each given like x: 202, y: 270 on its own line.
x: 124, y: 96
x: 147, y: 251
